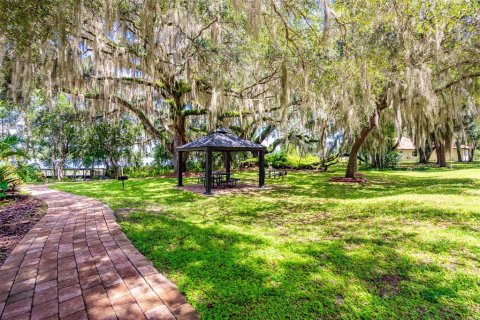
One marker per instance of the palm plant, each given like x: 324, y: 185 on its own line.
x: 8, y: 180
x: 9, y: 147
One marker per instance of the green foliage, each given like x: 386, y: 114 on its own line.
x: 23, y: 21
x: 281, y: 160
x: 277, y: 159
x: 57, y: 129
x: 301, y: 162
x: 3, y: 189
x: 8, y: 180
x: 29, y: 173
x: 10, y: 147
x: 110, y: 141
x: 195, y: 166
x: 391, y: 159
x: 146, y: 171
x: 403, y: 246
x: 161, y: 155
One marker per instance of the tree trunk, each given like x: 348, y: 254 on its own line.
x: 472, y: 152
x: 63, y: 158
x: 422, y: 157
x: 179, y: 138
x: 60, y: 168
x: 426, y: 153
x: 352, y: 158
x: 107, y: 167
x: 441, y: 155
x: 115, y: 168
x: 54, y: 167
x: 459, y: 150
x: 373, y: 158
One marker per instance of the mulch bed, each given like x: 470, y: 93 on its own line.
x: 17, y: 217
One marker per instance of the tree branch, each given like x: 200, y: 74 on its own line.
x: 454, y: 82
x: 149, y: 127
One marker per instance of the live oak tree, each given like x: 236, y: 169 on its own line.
x: 163, y: 62
x: 396, y: 59
x: 309, y: 69
x: 443, y: 69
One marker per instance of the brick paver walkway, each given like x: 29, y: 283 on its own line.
x: 77, y: 264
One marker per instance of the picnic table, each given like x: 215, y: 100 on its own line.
x: 220, y: 179
x: 272, y: 173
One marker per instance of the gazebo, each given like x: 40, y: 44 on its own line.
x: 221, y: 141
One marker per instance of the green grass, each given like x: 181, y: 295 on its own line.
x: 404, y: 245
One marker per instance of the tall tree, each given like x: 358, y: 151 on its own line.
x: 260, y: 67
x: 412, y: 41
x: 109, y: 141
x: 58, y: 129
x: 162, y: 62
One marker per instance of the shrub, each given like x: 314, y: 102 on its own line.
x: 303, y: 162
x: 8, y: 180
x: 277, y: 159
x: 30, y: 173
x: 282, y: 160
x: 391, y: 159
x: 195, y: 166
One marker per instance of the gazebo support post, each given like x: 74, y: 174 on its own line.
x: 179, y: 169
x: 261, y: 165
x: 227, y: 165
x: 208, y: 172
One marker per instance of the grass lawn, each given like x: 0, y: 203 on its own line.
x: 404, y: 245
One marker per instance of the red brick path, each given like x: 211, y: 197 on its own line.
x: 77, y: 264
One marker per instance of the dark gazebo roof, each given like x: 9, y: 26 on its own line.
x: 221, y: 140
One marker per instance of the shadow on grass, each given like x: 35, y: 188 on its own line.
x: 137, y: 193
x: 309, y: 250
x: 319, y: 187
x: 311, y: 185
x: 234, y: 275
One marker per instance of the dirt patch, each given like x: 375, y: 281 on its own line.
x: 339, y: 299
x: 122, y: 212
x: 245, y: 189
x: 184, y: 174
x: 359, y: 178
x: 388, y: 285
x: 17, y: 217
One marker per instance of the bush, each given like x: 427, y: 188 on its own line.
x: 391, y: 159
x: 8, y: 180
x: 277, y: 159
x: 29, y: 173
x: 282, y: 160
x: 195, y: 166
x: 306, y: 162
